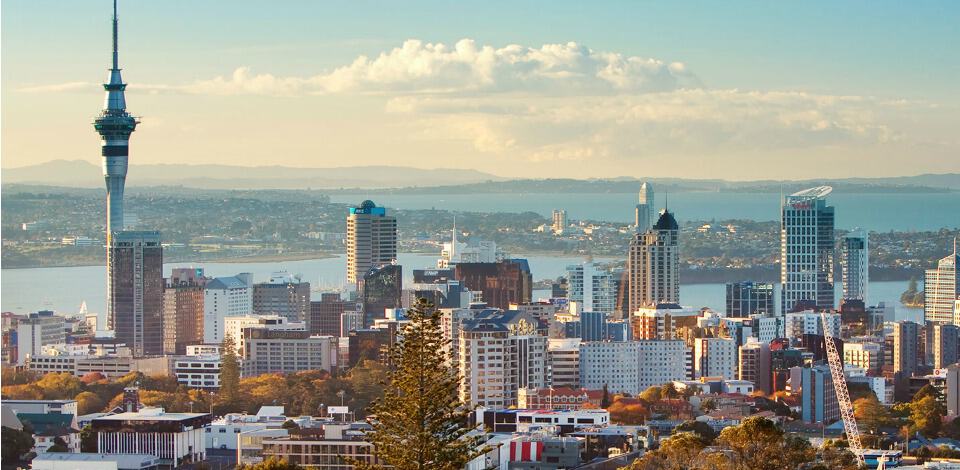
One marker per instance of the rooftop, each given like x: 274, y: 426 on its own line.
x: 151, y: 414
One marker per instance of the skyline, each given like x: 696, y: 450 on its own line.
x: 616, y: 102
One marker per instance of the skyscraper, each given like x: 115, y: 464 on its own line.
x: 593, y: 287
x: 371, y: 239
x: 114, y: 124
x: 855, y: 265
x: 135, y: 285
x: 380, y: 288
x: 941, y: 290
x: 283, y: 295
x: 183, y: 310
x: 807, y: 249
x: 559, y: 221
x: 643, y: 217
x: 653, y: 265
x: 906, y: 352
x: 747, y: 297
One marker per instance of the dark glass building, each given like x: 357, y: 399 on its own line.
x: 381, y: 288
x: 501, y: 283
x: 747, y: 297
x: 325, y: 315
x: 135, y: 291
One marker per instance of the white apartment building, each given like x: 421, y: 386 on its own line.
x: 592, y: 286
x: 715, y: 357
x: 37, y: 330
x: 200, y: 371
x: 563, y: 359
x: 661, y: 361
x: 498, y: 356
x: 868, y: 356
x: 225, y: 297
x: 615, y: 365
x: 809, y: 322
x: 941, y: 290
x: 234, y: 326
x: 855, y: 265
x: 267, y: 351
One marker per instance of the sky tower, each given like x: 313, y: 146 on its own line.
x: 114, y: 124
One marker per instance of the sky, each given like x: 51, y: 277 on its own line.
x: 737, y: 90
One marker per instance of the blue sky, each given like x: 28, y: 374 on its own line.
x: 900, y: 59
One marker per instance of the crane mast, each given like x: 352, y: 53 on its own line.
x: 843, y: 395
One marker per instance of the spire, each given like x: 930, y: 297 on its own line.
x: 453, y: 244
x: 116, y: 57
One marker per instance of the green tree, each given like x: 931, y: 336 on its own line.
x: 708, y: 405
x: 758, y: 444
x: 15, y: 444
x: 59, y: 445
x: 681, y: 452
x: 229, y: 373
x: 701, y: 429
x: 272, y: 463
x: 419, y: 422
x: 668, y: 390
x: 925, y: 416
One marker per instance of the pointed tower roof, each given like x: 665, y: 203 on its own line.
x: 666, y: 222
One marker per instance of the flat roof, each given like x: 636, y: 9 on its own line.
x: 140, y: 416
x: 124, y: 461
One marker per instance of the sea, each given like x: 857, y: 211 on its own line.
x: 876, y: 212
x: 63, y: 289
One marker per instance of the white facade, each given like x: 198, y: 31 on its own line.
x: 287, y: 352
x: 496, y: 361
x: 941, y: 291
x: 715, y: 357
x: 661, y: 361
x: 36, y: 331
x: 371, y: 239
x: 82, y: 364
x: 198, y: 371
x: 868, y: 356
x: 563, y: 358
x: 644, y: 215
x: 592, y: 286
x: 808, y: 322
x: 615, y: 365
x: 474, y: 251
x: 225, y: 297
x: 127, y: 433
x: 855, y: 265
x: 233, y: 326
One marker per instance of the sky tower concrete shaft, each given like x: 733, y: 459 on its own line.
x: 114, y: 125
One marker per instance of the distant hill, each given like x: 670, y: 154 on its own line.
x: 78, y: 173
x: 82, y: 174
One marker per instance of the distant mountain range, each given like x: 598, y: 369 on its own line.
x: 82, y: 174
x: 79, y: 173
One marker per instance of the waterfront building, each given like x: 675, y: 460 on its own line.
x: 653, y: 265
x: 267, y: 351
x: 283, y: 295
x: 325, y: 315
x: 500, y: 284
x: 177, y: 439
x: 715, y: 357
x: 380, y: 288
x: 748, y: 297
x: 135, y: 288
x: 855, y: 265
x: 225, y: 297
x: 644, y: 214
x: 114, y: 124
x: 371, y: 239
x: 36, y: 330
x: 941, y: 291
x: 754, y: 365
x: 592, y: 286
x: 807, y: 248
x: 183, y: 310
x: 559, y: 221
x: 945, y: 345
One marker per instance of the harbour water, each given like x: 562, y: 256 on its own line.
x: 63, y: 289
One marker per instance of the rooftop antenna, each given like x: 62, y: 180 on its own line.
x: 116, y: 60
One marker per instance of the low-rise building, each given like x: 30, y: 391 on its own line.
x: 564, y: 421
x: 558, y: 398
x: 267, y: 351
x: 176, y: 439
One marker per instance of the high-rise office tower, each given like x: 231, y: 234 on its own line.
x: 225, y: 297
x: 505, y: 282
x: 325, y: 315
x: 135, y: 305
x: 747, y: 297
x: 380, y: 288
x: 559, y: 221
x: 183, y: 310
x: 945, y: 345
x: 807, y: 249
x: 653, y: 265
x: 855, y: 265
x: 592, y: 286
x: 114, y: 124
x: 941, y: 290
x: 644, y: 215
x: 371, y: 239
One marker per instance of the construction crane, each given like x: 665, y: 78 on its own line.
x: 843, y: 395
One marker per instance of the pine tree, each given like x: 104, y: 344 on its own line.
x: 420, y: 423
x: 229, y: 372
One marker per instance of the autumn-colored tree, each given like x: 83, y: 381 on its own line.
x: 683, y: 451
x: 60, y: 386
x: 91, y: 377
x: 88, y: 402
x: 758, y: 444
x: 703, y: 430
x: 926, y: 416
x: 271, y: 463
x: 651, y: 395
x: 871, y: 414
x: 420, y: 423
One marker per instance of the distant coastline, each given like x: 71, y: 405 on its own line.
x: 265, y: 258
